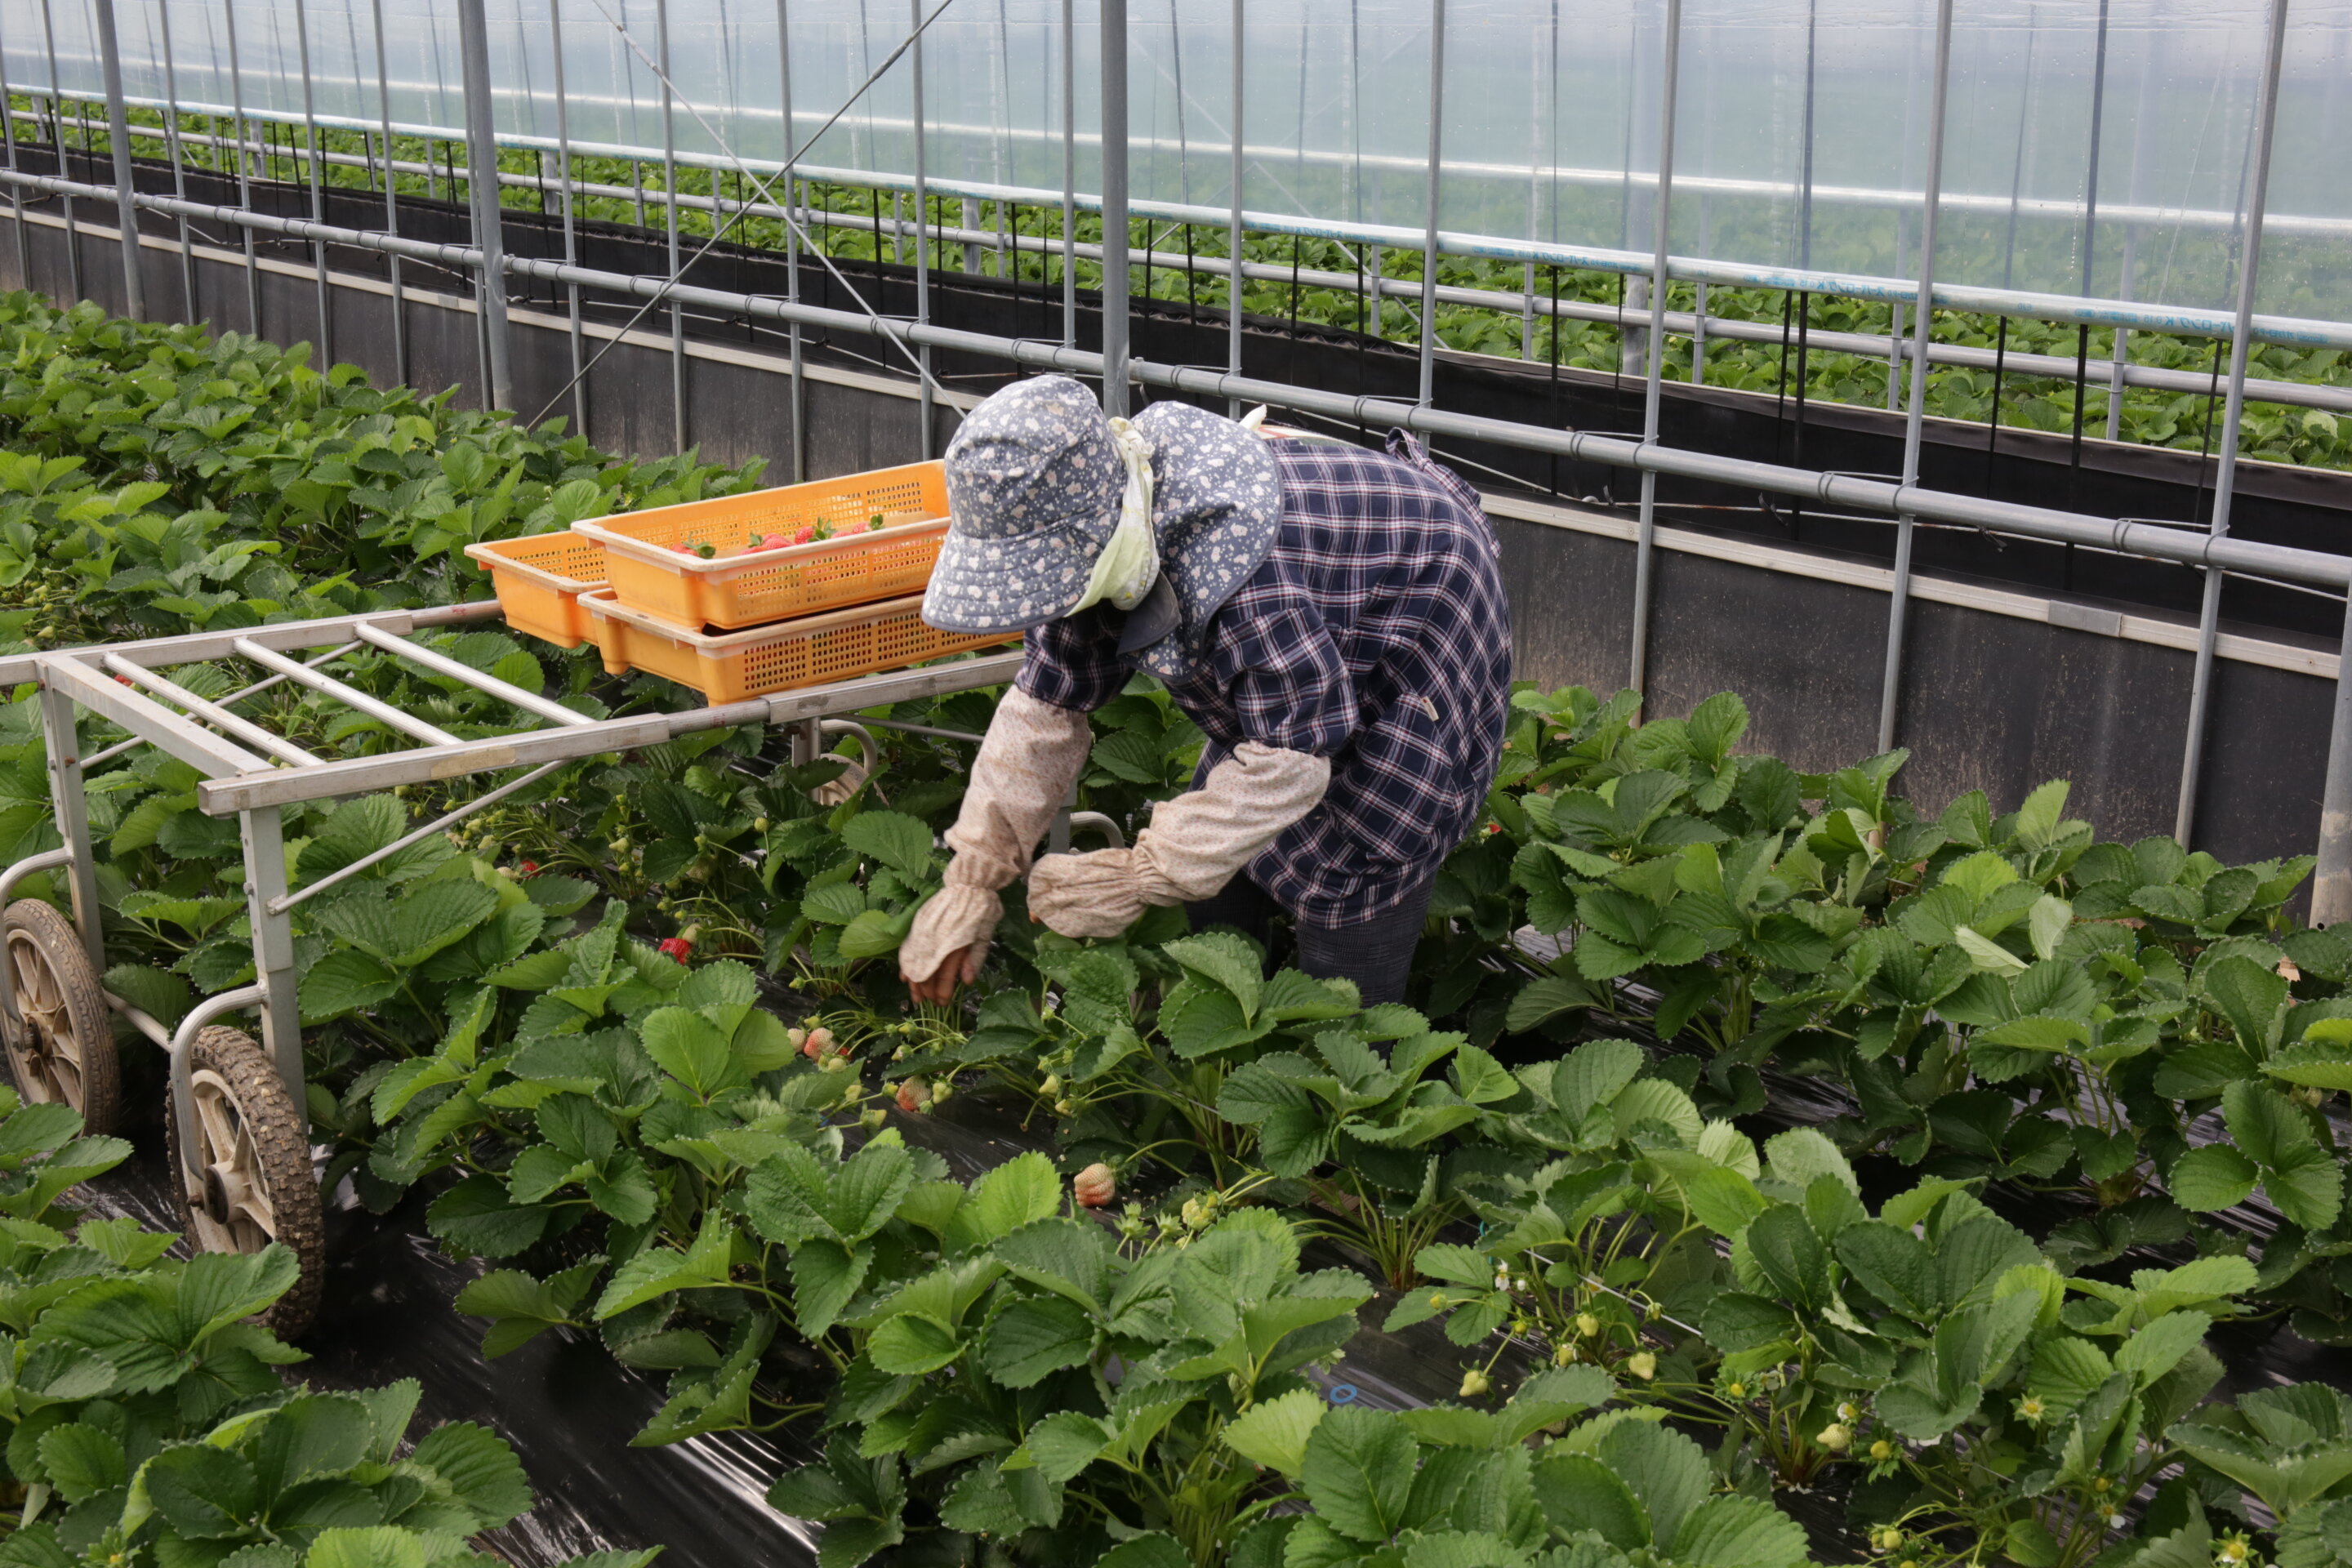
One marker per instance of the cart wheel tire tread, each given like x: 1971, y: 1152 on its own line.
x: 283, y: 1146
x: 83, y: 1000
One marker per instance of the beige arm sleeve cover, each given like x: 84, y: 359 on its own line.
x: 1194, y: 846
x: 1026, y: 765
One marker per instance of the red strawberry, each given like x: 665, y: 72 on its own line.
x: 530, y: 868
x: 806, y: 535
x: 675, y: 947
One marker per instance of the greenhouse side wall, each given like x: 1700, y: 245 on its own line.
x: 2003, y: 688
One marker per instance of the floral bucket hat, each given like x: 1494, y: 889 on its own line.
x: 1056, y: 506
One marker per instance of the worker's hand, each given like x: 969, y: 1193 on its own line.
x: 961, y: 967
x: 949, y: 940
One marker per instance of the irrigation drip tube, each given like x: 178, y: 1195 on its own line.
x: 2152, y: 541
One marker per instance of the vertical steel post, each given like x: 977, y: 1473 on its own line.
x: 16, y: 193
x: 1234, y: 235
x: 70, y: 800
x: 1429, y: 234
x: 1923, y: 317
x: 669, y: 203
x: 791, y: 244
x: 392, y: 200
x: 2331, y: 883
x: 317, y: 183
x: 2233, y: 408
x: 482, y: 190
x: 244, y: 171
x: 1646, y: 530
x: 178, y: 170
x: 1894, y: 357
x: 926, y: 410
x: 1069, y: 178
x: 273, y: 946
x: 57, y: 130
x: 1116, y: 238
x: 570, y: 228
x: 2121, y: 354
x: 118, y: 133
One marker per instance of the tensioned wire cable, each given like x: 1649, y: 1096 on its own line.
x: 767, y: 190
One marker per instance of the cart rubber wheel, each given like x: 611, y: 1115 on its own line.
x: 252, y: 1160
x: 62, y: 1049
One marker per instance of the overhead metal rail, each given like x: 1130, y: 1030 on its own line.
x: 2184, y: 320
x: 1700, y: 328
x: 2155, y: 541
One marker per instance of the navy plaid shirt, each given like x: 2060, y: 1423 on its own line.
x: 1375, y: 633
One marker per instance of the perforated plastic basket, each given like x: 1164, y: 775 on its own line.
x: 540, y: 581
x: 739, y: 587
x: 728, y: 666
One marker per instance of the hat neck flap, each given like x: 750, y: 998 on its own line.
x: 1217, y: 508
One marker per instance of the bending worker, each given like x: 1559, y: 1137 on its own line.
x: 1332, y: 618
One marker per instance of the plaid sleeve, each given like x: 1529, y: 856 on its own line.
x: 1072, y: 663
x: 1289, y: 684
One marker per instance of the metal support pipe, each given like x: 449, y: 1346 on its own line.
x: 244, y: 173
x: 1837, y: 491
x: 1069, y: 178
x: 466, y: 674
x: 118, y: 131
x: 792, y: 247
x: 350, y: 696
x: 1646, y: 528
x: 57, y: 134
x: 1694, y: 325
x: 172, y: 145
x: 317, y: 184
x: 16, y: 193
x: 1234, y: 230
x: 927, y: 411
x: 677, y: 264
x: 1429, y: 238
x: 286, y: 901
x: 1898, y: 609
x: 391, y: 198
x: 211, y: 712
x: 570, y: 228
x: 2225, y: 473
x: 1114, y: 206
x: 482, y: 188
x: 2331, y: 882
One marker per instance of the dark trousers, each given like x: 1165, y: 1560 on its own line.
x: 1377, y: 954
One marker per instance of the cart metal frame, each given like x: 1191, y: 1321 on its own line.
x: 250, y: 772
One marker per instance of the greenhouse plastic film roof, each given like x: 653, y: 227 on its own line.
x: 2095, y: 149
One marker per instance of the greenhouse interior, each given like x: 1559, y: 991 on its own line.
x: 1152, y: 785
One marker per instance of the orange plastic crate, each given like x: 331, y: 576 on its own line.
x: 747, y: 588
x: 540, y: 581
x: 728, y: 666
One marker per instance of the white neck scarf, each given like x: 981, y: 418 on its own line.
x: 1129, y: 562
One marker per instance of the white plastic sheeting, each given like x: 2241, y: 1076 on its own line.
x: 1801, y: 143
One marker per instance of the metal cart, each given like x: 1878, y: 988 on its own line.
x: 236, y: 1127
